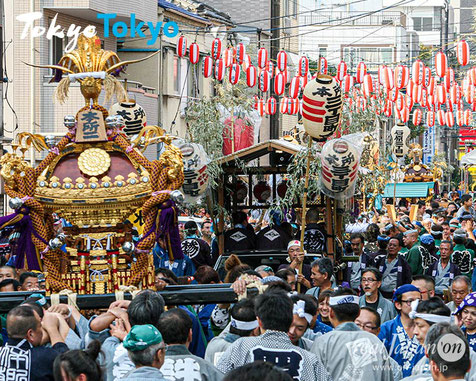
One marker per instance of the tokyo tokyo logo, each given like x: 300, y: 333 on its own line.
x: 119, y: 29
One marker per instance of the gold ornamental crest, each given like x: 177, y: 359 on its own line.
x: 94, y: 161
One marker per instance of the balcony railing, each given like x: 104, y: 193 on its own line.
x: 353, y: 18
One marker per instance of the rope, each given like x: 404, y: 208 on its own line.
x: 252, y: 284
x: 122, y: 289
x: 72, y: 296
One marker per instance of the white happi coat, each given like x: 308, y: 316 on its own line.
x: 350, y: 354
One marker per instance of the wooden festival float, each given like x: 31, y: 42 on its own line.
x: 94, y: 178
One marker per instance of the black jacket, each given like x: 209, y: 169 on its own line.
x: 240, y: 239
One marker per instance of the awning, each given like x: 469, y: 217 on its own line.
x: 408, y: 189
x: 468, y: 159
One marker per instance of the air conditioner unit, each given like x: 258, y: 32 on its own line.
x: 287, y: 25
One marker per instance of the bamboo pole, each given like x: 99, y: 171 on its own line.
x: 304, y: 202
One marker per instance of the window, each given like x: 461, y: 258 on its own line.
x: 56, y: 50
x: 177, y: 69
x: 372, y: 56
x: 423, y: 24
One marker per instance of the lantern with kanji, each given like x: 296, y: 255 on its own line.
x: 240, y: 53
x: 279, y: 84
x: 219, y: 69
x: 321, y: 107
x: 341, y: 71
x: 361, y: 72
x: 303, y: 66
x: 251, y: 76
x: 207, y: 66
x: 462, y: 52
x: 181, y: 46
x: 133, y: 115
x: 416, y: 117
x: 295, y: 87
x: 194, y: 53
x: 323, y: 65
x: 216, y: 48
x: 262, y: 191
x: 263, y: 83
x: 195, y: 161
x: 241, y: 191
x: 271, y: 106
x: 339, y: 167
x: 262, y: 58
x: 234, y: 74
x: 282, y: 61
x: 440, y: 64
x: 400, y: 135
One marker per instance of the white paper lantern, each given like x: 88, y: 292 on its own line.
x: 133, y: 114
x: 400, y: 134
x: 321, y: 107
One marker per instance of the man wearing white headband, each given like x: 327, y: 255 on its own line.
x: 426, y: 313
x: 296, y: 257
x: 243, y: 324
x: 303, y: 314
x: 347, y: 352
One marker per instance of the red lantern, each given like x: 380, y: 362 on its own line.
x: 430, y: 118
x: 469, y: 94
x: 303, y: 66
x: 409, y: 102
x: 347, y: 84
x: 426, y: 76
x: 216, y: 48
x: 242, y: 134
x: 450, y: 119
x: 181, y: 46
x: 416, y: 117
x: 246, y: 62
x: 405, y: 115
x: 194, y: 53
x: 341, y: 71
x: 279, y: 84
x: 282, y: 188
x: 323, y: 63
x: 455, y: 94
x: 263, y: 83
x: 368, y: 85
x: 282, y: 61
x: 462, y: 52
x: 431, y: 86
x: 283, y: 107
x: 393, y: 95
x: 294, y: 88
x: 441, y: 117
x: 361, y: 72
x: 270, y: 68
x: 262, y: 58
x: 228, y: 55
x: 472, y: 75
x: 293, y: 106
x: 441, y: 94
x: 271, y: 106
x: 449, y: 105
x: 304, y: 80
x: 262, y: 191
x: 261, y: 107
x: 251, y: 76
x: 468, y: 117
x: 460, y: 118
x: 400, y: 102
x: 417, y: 93
x: 207, y: 66
x: 440, y: 64
x: 399, y: 77
x: 418, y: 71
x: 234, y: 74
x: 219, y: 69
x: 240, y: 53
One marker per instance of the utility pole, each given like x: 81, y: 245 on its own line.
x: 274, y: 48
x: 447, y: 10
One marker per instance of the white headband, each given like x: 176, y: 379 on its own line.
x: 298, y: 309
x: 94, y: 74
x: 244, y: 325
x: 294, y: 243
x: 432, y: 318
x: 343, y: 299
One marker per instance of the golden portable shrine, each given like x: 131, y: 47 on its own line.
x: 94, y: 177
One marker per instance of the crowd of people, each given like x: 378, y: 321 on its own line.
x: 400, y: 307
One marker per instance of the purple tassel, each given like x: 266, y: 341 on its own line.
x: 24, y: 248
